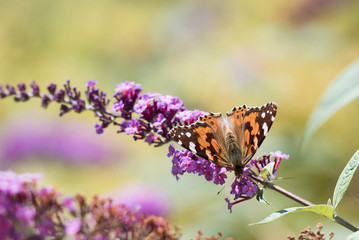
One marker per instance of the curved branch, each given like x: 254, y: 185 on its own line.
x: 300, y: 200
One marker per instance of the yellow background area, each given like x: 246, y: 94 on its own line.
x: 214, y: 55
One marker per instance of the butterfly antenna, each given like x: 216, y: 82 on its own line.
x: 225, y: 186
x: 285, y: 178
x: 221, y: 190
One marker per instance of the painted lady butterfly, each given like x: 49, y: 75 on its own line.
x: 229, y: 141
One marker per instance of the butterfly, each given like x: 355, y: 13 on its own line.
x: 229, y: 141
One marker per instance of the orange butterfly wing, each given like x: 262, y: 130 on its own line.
x: 251, y: 126
x: 204, y: 138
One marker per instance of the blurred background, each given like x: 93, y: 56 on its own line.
x: 214, y: 55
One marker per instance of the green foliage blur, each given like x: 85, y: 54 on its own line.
x: 214, y: 55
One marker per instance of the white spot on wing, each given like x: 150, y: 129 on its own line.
x: 273, y: 118
x: 263, y: 115
x: 188, y: 134
x: 192, y: 147
x: 179, y: 142
x: 265, y: 128
x: 182, y: 133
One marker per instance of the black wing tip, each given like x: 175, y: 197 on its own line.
x: 236, y: 109
x: 211, y: 114
x: 267, y: 105
x: 272, y: 104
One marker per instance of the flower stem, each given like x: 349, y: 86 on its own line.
x: 300, y: 200
x: 344, y: 223
x: 281, y: 190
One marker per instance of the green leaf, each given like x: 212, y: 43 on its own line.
x: 268, y: 169
x: 343, y: 90
x: 260, y: 197
x: 345, y: 178
x: 353, y: 236
x: 324, y: 210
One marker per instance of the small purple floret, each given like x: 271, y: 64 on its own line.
x: 91, y: 83
x: 73, y: 226
x: 126, y: 95
x: 35, y: 89
x: 229, y: 206
x: 188, y: 117
x: 99, y: 128
x: 11, y: 89
x: 25, y: 214
x: 279, y: 154
x: 69, y: 203
x: 52, y: 88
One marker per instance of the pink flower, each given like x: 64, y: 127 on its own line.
x: 73, y: 226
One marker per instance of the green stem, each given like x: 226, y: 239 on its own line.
x: 300, y: 200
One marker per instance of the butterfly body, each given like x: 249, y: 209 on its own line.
x: 229, y: 141
x: 234, y: 152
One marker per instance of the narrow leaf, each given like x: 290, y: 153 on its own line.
x: 345, y: 178
x: 324, y: 210
x: 343, y: 90
x: 260, y: 197
x: 353, y: 236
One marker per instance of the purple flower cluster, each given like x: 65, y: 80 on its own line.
x: 69, y: 97
x: 29, y: 213
x: 126, y: 95
x: 150, y: 116
x: 185, y: 161
x: 243, y: 188
x: 261, y: 162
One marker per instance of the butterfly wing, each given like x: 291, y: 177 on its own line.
x: 251, y: 126
x: 235, y: 121
x: 204, y: 138
x: 215, y: 121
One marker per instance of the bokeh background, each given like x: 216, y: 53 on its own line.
x: 214, y: 55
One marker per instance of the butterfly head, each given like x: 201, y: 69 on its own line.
x: 238, y: 171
